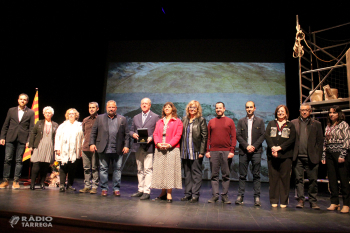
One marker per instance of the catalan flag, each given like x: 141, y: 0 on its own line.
x: 35, y: 107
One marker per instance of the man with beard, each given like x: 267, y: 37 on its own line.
x: 250, y: 136
x: 15, y: 137
x: 307, y: 155
x: 220, y: 151
x: 144, y: 152
x: 90, y: 159
x: 110, y: 138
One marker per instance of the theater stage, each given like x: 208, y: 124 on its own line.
x: 80, y: 212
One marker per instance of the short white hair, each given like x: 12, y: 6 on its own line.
x: 111, y: 101
x: 48, y: 108
x: 149, y: 100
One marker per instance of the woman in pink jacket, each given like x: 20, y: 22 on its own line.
x: 167, y: 161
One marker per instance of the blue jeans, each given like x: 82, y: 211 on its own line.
x: 116, y: 160
x: 10, y: 148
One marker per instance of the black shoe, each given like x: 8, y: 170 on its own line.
x: 62, y: 189
x: 239, y: 200
x: 70, y: 188
x: 314, y: 206
x: 300, y: 204
x: 194, y: 199
x: 32, y: 187
x: 186, y: 198
x: 213, y: 199
x: 42, y: 186
x: 138, y: 194
x: 257, y: 201
x: 225, y: 200
x: 169, y: 200
x: 160, y: 198
x: 145, y: 196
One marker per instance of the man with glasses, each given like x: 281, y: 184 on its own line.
x: 307, y: 155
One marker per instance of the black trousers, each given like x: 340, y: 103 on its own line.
x: 39, y: 168
x: 244, y: 160
x: 279, y: 179
x: 218, y: 159
x: 338, y: 171
x: 67, y: 169
x: 193, y: 176
x: 311, y: 169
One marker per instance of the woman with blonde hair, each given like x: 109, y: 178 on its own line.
x: 68, y: 143
x: 193, y: 145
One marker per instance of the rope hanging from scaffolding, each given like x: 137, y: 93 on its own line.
x: 298, y: 50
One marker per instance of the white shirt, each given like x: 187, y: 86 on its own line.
x: 20, y: 113
x: 250, y: 126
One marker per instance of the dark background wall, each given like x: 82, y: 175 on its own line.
x: 62, y: 48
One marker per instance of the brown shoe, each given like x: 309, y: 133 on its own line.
x: 84, y: 190
x: 15, y: 185
x: 4, y: 184
x: 300, y: 204
x: 314, y: 206
x: 116, y: 193
x: 104, y: 193
x: 334, y: 207
x: 93, y: 191
x: 345, y: 209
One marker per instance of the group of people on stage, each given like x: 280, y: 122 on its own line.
x: 173, y: 142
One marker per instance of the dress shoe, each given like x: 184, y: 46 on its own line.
x: 32, y: 187
x: 194, y: 199
x: 345, y: 209
x: 145, y: 196
x: 334, y: 207
x: 42, y: 186
x: 15, y: 185
x: 169, y: 200
x: 283, y: 206
x: 104, y: 193
x: 186, y: 198
x: 70, y: 188
x: 213, y: 199
x: 84, y: 190
x: 257, y: 201
x: 274, y: 205
x: 116, y: 193
x: 138, y: 194
x: 314, y: 206
x: 225, y: 200
x: 300, y: 204
x: 62, y: 189
x: 160, y: 198
x: 93, y: 191
x: 4, y: 184
x: 239, y: 200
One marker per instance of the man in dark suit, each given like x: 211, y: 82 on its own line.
x: 144, y: 152
x: 250, y: 136
x: 110, y: 138
x: 307, y: 155
x: 15, y: 136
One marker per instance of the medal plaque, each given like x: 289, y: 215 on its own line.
x: 143, y: 135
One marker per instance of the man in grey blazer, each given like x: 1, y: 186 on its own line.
x: 307, y: 155
x: 144, y: 152
x: 250, y: 136
x: 110, y: 138
x: 15, y: 137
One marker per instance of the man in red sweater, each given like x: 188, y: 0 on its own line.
x: 220, y: 151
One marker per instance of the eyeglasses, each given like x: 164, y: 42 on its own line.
x: 304, y: 110
x: 194, y: 108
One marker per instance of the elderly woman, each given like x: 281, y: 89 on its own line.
x: 41, y: 139
x: 336, y: 145
x: 167, y: 161
x: 193, y: 145
x: 68, y: 144
x: 280, y: 137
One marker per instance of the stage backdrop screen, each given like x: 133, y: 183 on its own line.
x: 233, y: 83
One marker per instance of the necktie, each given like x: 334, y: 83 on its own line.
x: 144, y: 116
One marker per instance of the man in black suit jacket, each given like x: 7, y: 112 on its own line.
x: 307, y: 154
x: 250, y: 136
x: 110, y: 138
x: 15, y: 136
x: 144, y: 152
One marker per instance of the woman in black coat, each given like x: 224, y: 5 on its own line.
x: 193, y: 145
x: 280, y: 137
x: 41, y: 142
